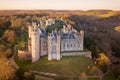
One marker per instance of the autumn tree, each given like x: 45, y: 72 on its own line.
x: 4, y: 25
x: 2, y: 49
x: 7, y: 70
x: 95, y: 71
x: 16, y: 22
x: 103, y: 62
x: 83, y: 76
x: 9, y: 36
x: 8, y: 53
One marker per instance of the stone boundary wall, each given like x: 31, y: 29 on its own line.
x: 24, y: 55
x: 86, y: 54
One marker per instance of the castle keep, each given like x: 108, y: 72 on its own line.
x: 64, y: 42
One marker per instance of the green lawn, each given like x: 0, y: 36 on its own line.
x: 72, y: 66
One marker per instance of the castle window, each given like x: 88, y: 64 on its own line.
x: 71, y: 45
x: 63, y: 46
x: 68, y: 45
x: 74, y: 45
x: 53, y: 49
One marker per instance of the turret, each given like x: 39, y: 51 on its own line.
x: 54, y: 46
x: 49, y: 47
x: 58, y: 46
x: 81, y: 40
x: 42, y: 22
x: 35, y: 40
x: 29, y: 31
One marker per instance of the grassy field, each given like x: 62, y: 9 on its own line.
x: 71, y: 66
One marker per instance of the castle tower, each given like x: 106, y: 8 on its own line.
x: 42, y: 22
x: 54, y: 46
x: 81, y: 40
x: 49, y: 47
x: 29, y: 38
x: 35, y: 37
x: 29, y: 31
x: 53, y: 21
x: 58, y: 47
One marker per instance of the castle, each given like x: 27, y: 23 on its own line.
x: 64, y: 42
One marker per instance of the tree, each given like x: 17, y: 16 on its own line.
x: 7, y: 70
x: 4, y: 25
x: 2, y: 49
x: 10, y: 36
x: 16, y: 23
x: 103, y: 62
x: 95, y: 71
x: 8, y: 53
x: 83, y: 76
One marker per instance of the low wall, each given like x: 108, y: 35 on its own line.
x: 86, y: 54
x: 24, y: 55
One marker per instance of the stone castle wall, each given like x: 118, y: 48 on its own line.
x: 71, y: 44
x: 24, y: 55
x: 43, y: 46
x: 86, y: 54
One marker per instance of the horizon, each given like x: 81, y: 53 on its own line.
x: 60, y: 5
x: 55, y: 9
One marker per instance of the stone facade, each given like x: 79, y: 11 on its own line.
x: 54, y: 44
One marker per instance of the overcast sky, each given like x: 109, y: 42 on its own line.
x: 60, y: 4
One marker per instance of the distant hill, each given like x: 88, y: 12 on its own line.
x: 101, y: 13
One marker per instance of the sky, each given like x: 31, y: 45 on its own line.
x: 59, y: 4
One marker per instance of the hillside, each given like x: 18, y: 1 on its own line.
x: 62, y: 67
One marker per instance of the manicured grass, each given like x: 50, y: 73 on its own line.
x: 68, y: 66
